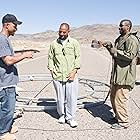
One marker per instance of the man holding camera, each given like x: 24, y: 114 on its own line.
x: 123, y: 77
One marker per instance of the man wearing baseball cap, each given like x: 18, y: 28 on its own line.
x: 8, y: 76
x: 11, y: 18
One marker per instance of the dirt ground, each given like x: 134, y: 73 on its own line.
x: 93, y: 119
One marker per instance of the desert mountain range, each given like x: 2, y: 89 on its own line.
x: 84, y: 35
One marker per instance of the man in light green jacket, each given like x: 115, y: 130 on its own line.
x: 63, y: 63
x: 123, y: 77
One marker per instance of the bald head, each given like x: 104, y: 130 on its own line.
x: 66, y: 25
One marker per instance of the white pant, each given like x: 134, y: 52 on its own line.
x: 66, y: 98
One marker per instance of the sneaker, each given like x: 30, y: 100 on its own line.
x: 8, y: 136
x: 14, y: 129
x: 72, y: 123
x: 18, y: 114
x: 117, y: 126
x: 61, y: 119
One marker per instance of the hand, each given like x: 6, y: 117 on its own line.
x: 107, y: 44
x: 113, y: 50
x: 71, y: 75
x: 28, y: 54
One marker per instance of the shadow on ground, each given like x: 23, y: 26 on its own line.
x: 49, y: 102
x: 100, y: 110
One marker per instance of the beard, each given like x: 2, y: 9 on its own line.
x: 12, y: 33
x: 63, y: 37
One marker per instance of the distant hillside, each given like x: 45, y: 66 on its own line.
x: 84, y: 35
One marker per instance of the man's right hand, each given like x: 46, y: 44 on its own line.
x: 28, y: 54
x: 107, y: 44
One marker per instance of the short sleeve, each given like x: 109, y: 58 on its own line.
x: 4, y: 47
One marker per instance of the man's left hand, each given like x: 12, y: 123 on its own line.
x: 71, y: 75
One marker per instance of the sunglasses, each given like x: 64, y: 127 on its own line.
x: 14, y: 25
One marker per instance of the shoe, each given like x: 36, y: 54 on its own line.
x: 117, y: 126
x: 8, y: 136
x: 72, y: 123
x: 61, y: 120
x: 18, y: 114
x: 113, y: 120
x: 14, y: 129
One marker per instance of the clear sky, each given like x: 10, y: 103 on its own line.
x: 43, y: 15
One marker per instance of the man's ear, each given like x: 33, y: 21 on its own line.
x: 6, y: 25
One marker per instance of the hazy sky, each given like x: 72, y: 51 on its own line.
x: 43, y: 15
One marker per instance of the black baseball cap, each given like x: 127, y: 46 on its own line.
x: 10, y: 18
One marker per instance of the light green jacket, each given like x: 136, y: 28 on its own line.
x: 124, y: 67
x: 63, y: 59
